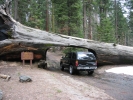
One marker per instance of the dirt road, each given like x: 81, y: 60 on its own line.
x: 118, y: 86
x: 46, y: 85
x: 53, y: 84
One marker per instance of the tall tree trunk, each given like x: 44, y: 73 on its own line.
x: 85, y: 20
x: 89, y: 21
x: 69, y: 16
x: 53, y: 18
x: 103, y: 9
x: 116, y: 35
x: 16, y: 9
x: 47, y: 16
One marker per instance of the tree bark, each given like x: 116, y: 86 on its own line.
x: 23, y: 38
x: 16, y: 9
x: 47, y: 16
x: 89, y: 21
x: 85, y: 20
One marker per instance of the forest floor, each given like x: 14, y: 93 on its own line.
x: 53, y: 84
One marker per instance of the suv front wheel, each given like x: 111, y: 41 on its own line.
x: 71, y: 70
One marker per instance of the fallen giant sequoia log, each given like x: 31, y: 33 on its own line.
x: 16, y: 38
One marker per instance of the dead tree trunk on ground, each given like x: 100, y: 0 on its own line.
x: 16, y: 37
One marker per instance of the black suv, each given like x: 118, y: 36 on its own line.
x: 79, y: 61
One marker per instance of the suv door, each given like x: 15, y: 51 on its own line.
x: 66, y: 60
x: 73, y: 58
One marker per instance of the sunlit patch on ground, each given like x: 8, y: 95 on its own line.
x: 122, y: 70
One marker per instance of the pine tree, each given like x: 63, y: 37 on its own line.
x: 68, y: 16
x: 120, y: 23
x: 31, y: 13
x: 2, y: 2
x: 106, y: 31
x: 129, y: 5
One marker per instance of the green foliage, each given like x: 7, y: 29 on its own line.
x: 35, y: 9
x: 131, y: 20
x: 113, y: 25
x: 57, y: 1
x: 68, y: 16
x: 73, y: 49
x: 120, y: 24
x: 2, y: 2
x: 104, y: 6
x: 106, y: 31
x: 129, y: 5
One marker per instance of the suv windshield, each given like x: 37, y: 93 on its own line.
x: 86, y: 56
